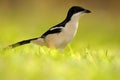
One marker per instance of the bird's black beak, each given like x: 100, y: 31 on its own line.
x: 87, y: 11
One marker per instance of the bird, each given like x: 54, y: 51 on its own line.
x: 60, y: 35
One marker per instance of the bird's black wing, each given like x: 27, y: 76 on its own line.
x: 52, y: 30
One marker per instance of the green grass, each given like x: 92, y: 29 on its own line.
x: 40, y: 63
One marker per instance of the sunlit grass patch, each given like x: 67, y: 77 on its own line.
x: 32, y: 62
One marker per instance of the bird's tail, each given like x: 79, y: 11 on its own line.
x: 21, y: 43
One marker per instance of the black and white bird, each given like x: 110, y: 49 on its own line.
x: 61, y: 34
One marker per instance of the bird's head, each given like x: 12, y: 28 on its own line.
x: 76, y: 9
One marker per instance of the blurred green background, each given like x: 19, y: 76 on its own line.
x: 24, y: 19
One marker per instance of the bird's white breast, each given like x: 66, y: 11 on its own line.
x: 70, y: 30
